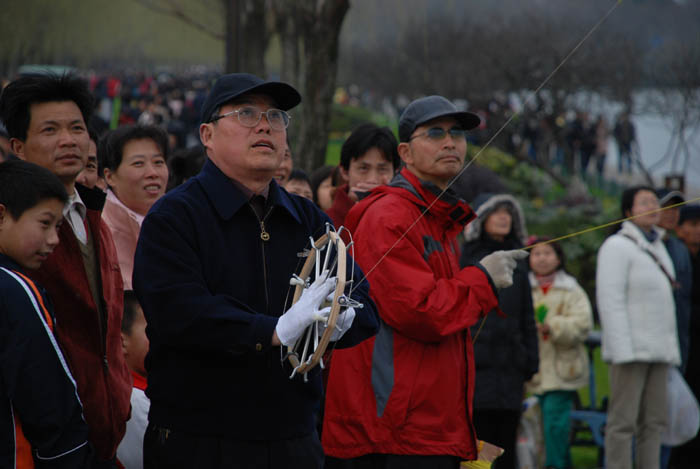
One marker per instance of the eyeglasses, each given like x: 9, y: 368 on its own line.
x: 438, y: 133
x: 249, y: 116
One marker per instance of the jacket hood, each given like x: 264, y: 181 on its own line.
x: 486, y: 204
x: 421, y: 193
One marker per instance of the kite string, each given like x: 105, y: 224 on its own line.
x: 498, y: 132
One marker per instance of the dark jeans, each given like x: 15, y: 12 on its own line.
x: 394, y: 461
x: 167, y: 449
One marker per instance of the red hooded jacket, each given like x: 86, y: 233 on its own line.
x: 409, y: 389
x: 92, y: 345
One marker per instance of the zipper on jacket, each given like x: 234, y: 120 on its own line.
x: 264, y: 237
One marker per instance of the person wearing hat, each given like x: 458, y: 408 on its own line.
x: 688, y: 230
x: 668, y: 220
x: 680, y: 256
x: 404, y: 398
x: 211, y: 271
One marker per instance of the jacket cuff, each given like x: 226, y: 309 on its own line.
x: 263, y: 329
x: 486, y: 272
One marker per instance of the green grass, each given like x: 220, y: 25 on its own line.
x: 586, y: 457
x: 333, y: 151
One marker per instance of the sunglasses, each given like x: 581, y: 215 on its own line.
x: 438, y: 133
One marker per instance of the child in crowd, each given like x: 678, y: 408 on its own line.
x: 298, y: 183
x: 135, y: 346
x: 41, y: 417
x: 564, y: 318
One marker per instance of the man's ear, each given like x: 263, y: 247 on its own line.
x: 404, y: 150
x: 205, y: 133
x: 17, y: 147
x: 3, y: 214
x: 343, y: 173
x: 125, y: 343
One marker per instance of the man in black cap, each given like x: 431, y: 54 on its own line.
x: 404, y: 398
x: 688, y: 231
x: 683, y: 275
x: 678, y: 253
x: 212, y: 271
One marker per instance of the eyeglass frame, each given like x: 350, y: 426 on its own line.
x: 260, y: 114
x: 461, y: 134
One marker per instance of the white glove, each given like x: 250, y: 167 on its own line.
x: 500, y: 266
x: 342, y: 324
x: 305, y: 311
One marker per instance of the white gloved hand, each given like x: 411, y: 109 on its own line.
x: 342, y: 324
x: 501, y: 264
x: 305, y: 311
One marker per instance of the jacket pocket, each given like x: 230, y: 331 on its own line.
x: 569, y: 363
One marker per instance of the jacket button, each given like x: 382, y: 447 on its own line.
x: 258, y: 347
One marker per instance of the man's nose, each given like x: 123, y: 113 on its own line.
x: 66, y: 137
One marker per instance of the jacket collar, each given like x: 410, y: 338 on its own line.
x: 228, y: 199
x: 9, y: 263
x: 94, y: 199
x: 453, y: 211
x: 561, y: 280
x: 633, y: 231
x: 425, y: 193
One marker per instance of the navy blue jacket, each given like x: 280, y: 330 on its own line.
x: 506, y: 351
x: 684, y: 276
x: 36, y: 386
x: 212, y: 291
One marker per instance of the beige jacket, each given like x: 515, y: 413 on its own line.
x: 125, y: 225
x: 564, y: 361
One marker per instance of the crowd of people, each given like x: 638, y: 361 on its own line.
x: 146, y: 301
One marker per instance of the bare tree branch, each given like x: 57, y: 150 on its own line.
x: 175, y: 10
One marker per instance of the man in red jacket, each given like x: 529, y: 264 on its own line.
x: 403, y: 399
x: 368, y: 159
x: 46, y: 117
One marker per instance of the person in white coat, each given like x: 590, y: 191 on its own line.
x: 634, y: 291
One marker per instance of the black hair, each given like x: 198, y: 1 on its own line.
x: 94, y: 135
x: 184, y: 164
x: 19, y: 95
x: 318, y: 176
x: 368, y: 136
x: 628, y: 196
x: 299, y: 175
x: 111, y: 147
x: 131, y: 308
x: 533, y: 240
x: 23, y: 185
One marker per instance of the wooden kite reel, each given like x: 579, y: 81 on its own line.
x: 308, y: 350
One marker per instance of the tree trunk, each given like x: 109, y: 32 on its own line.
x: 288, y: 27
x: 321, y: 23
x: 246, y: 36
x: 232, y: 28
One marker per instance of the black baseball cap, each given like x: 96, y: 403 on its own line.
x: 428, y: 108
x: 228, y: 87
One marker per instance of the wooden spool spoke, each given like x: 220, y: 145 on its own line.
x: 327, y: 254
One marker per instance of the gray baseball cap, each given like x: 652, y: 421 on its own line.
x: 666, y: 195
x: 428, y: 108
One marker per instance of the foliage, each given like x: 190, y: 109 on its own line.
x: 345, y: 118
x: 554, y: 211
